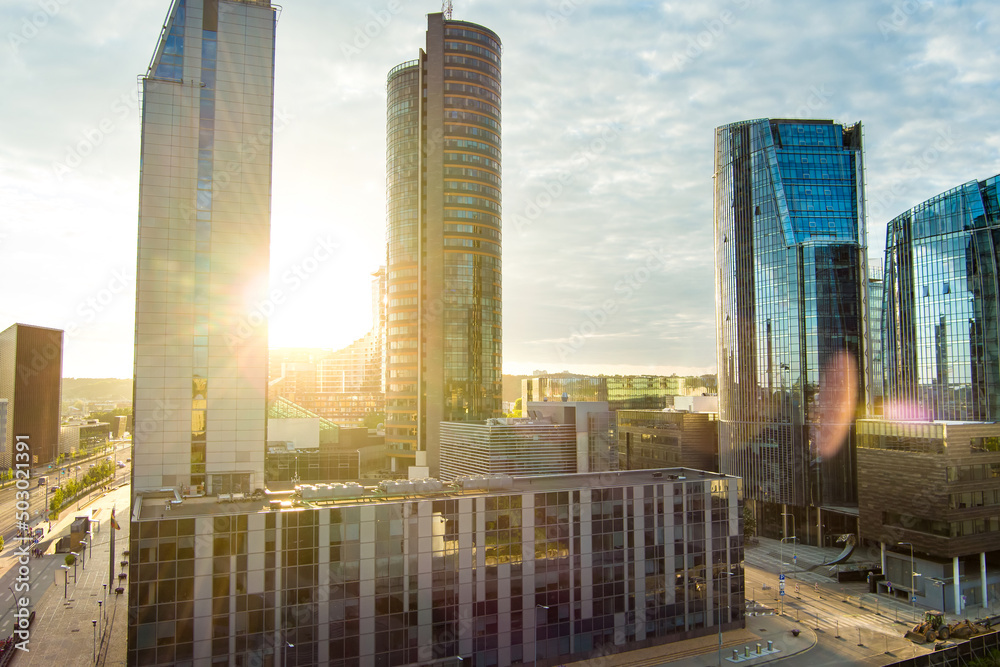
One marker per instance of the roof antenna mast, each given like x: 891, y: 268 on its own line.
x: 446, y: 8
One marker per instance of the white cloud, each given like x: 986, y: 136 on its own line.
x: 593, y: 91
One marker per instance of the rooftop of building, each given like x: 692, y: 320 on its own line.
x: 927, y: 422
x: 153, y: 505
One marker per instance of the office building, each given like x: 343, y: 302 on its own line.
x: 876, y: 287
x: 31, y: 383
x: 791, y: 305
x: 443, y: 356
x: 929, y: 470
x: 551, y: 439
x: 596, y: 442
x: 200, y: 391
x: 344, y: 386
x: 83, y: 435
x: 662, y: 439
x: 621, y: 392
x: 544, y: 570
x: 941, y: 332
x: 507, y: 445
x: 304, y: 447
x: 204, y: 232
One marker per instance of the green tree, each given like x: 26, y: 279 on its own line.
x: 517, y: 411
x: 992, y: 659
x: 749, y: 523
x: 70, y: 559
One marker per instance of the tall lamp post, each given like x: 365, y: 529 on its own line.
x: 16, y: 605
x: 794, y: 532
x: 95, y: 640
x: 913, y: 590
x: 537, y: 607
x: 781, y: 551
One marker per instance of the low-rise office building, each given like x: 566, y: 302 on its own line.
x: 541, y: 569
x: 935, y: 487
x: 510, y: 446
x: 554, y: 438
x: 658, y: 439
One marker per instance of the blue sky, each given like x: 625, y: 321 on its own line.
x: 609, y: 113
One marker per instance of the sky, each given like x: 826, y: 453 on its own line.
x: 609, y: 111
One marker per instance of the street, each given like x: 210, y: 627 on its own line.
x: 846, y: 631
x: 39, y: 495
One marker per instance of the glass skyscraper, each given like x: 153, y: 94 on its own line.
x: 204, y: 235
x: 791, y: 293
x: 443, y: 235
x: 200, y: 392
x: 929, y: 468
x: 940, y: 327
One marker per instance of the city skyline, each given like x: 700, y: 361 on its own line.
x: 608, y: 176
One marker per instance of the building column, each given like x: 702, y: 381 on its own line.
x: 958, y: 585
x: 882, y: 549
x: 982, y: 579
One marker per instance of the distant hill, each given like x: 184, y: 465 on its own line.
x: 96, y: 389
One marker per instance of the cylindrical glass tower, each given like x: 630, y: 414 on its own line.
x: 443, y: 239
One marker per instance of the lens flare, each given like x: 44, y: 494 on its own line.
x: 837, y: 399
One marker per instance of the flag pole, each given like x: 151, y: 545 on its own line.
x: 111, y: 552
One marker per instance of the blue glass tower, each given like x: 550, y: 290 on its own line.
x: 791, y: 302
x: 940, y: 326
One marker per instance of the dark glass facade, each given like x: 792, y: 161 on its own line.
x: 791, y: 300
x: 443, y: 236
x: 941, y: 331
x: 31, y: 381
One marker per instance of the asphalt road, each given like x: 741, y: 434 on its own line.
x: 846, y: 633
x: 42, y: 570
x: 38, y: 495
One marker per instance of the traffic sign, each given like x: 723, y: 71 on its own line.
x: 913, y: 599
x: 782, y: 592
x: 795, y: 558
x: 781, y: 577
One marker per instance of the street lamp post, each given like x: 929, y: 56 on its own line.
x: 76, y: 557
x: 794, y: 532
x: 83, y: 543
x: 781, y: 551
x: 95, y: 640
x: 65, y: 569
x: 913, y: 590
x: 728, y: 574
x: 16, y: 606
x: 100, y: 617
x: 537, y: 607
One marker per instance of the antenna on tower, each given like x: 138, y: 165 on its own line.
x: 446, y: 8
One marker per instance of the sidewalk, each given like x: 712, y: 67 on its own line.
x: 63, y: 633
x: 703, y: 651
